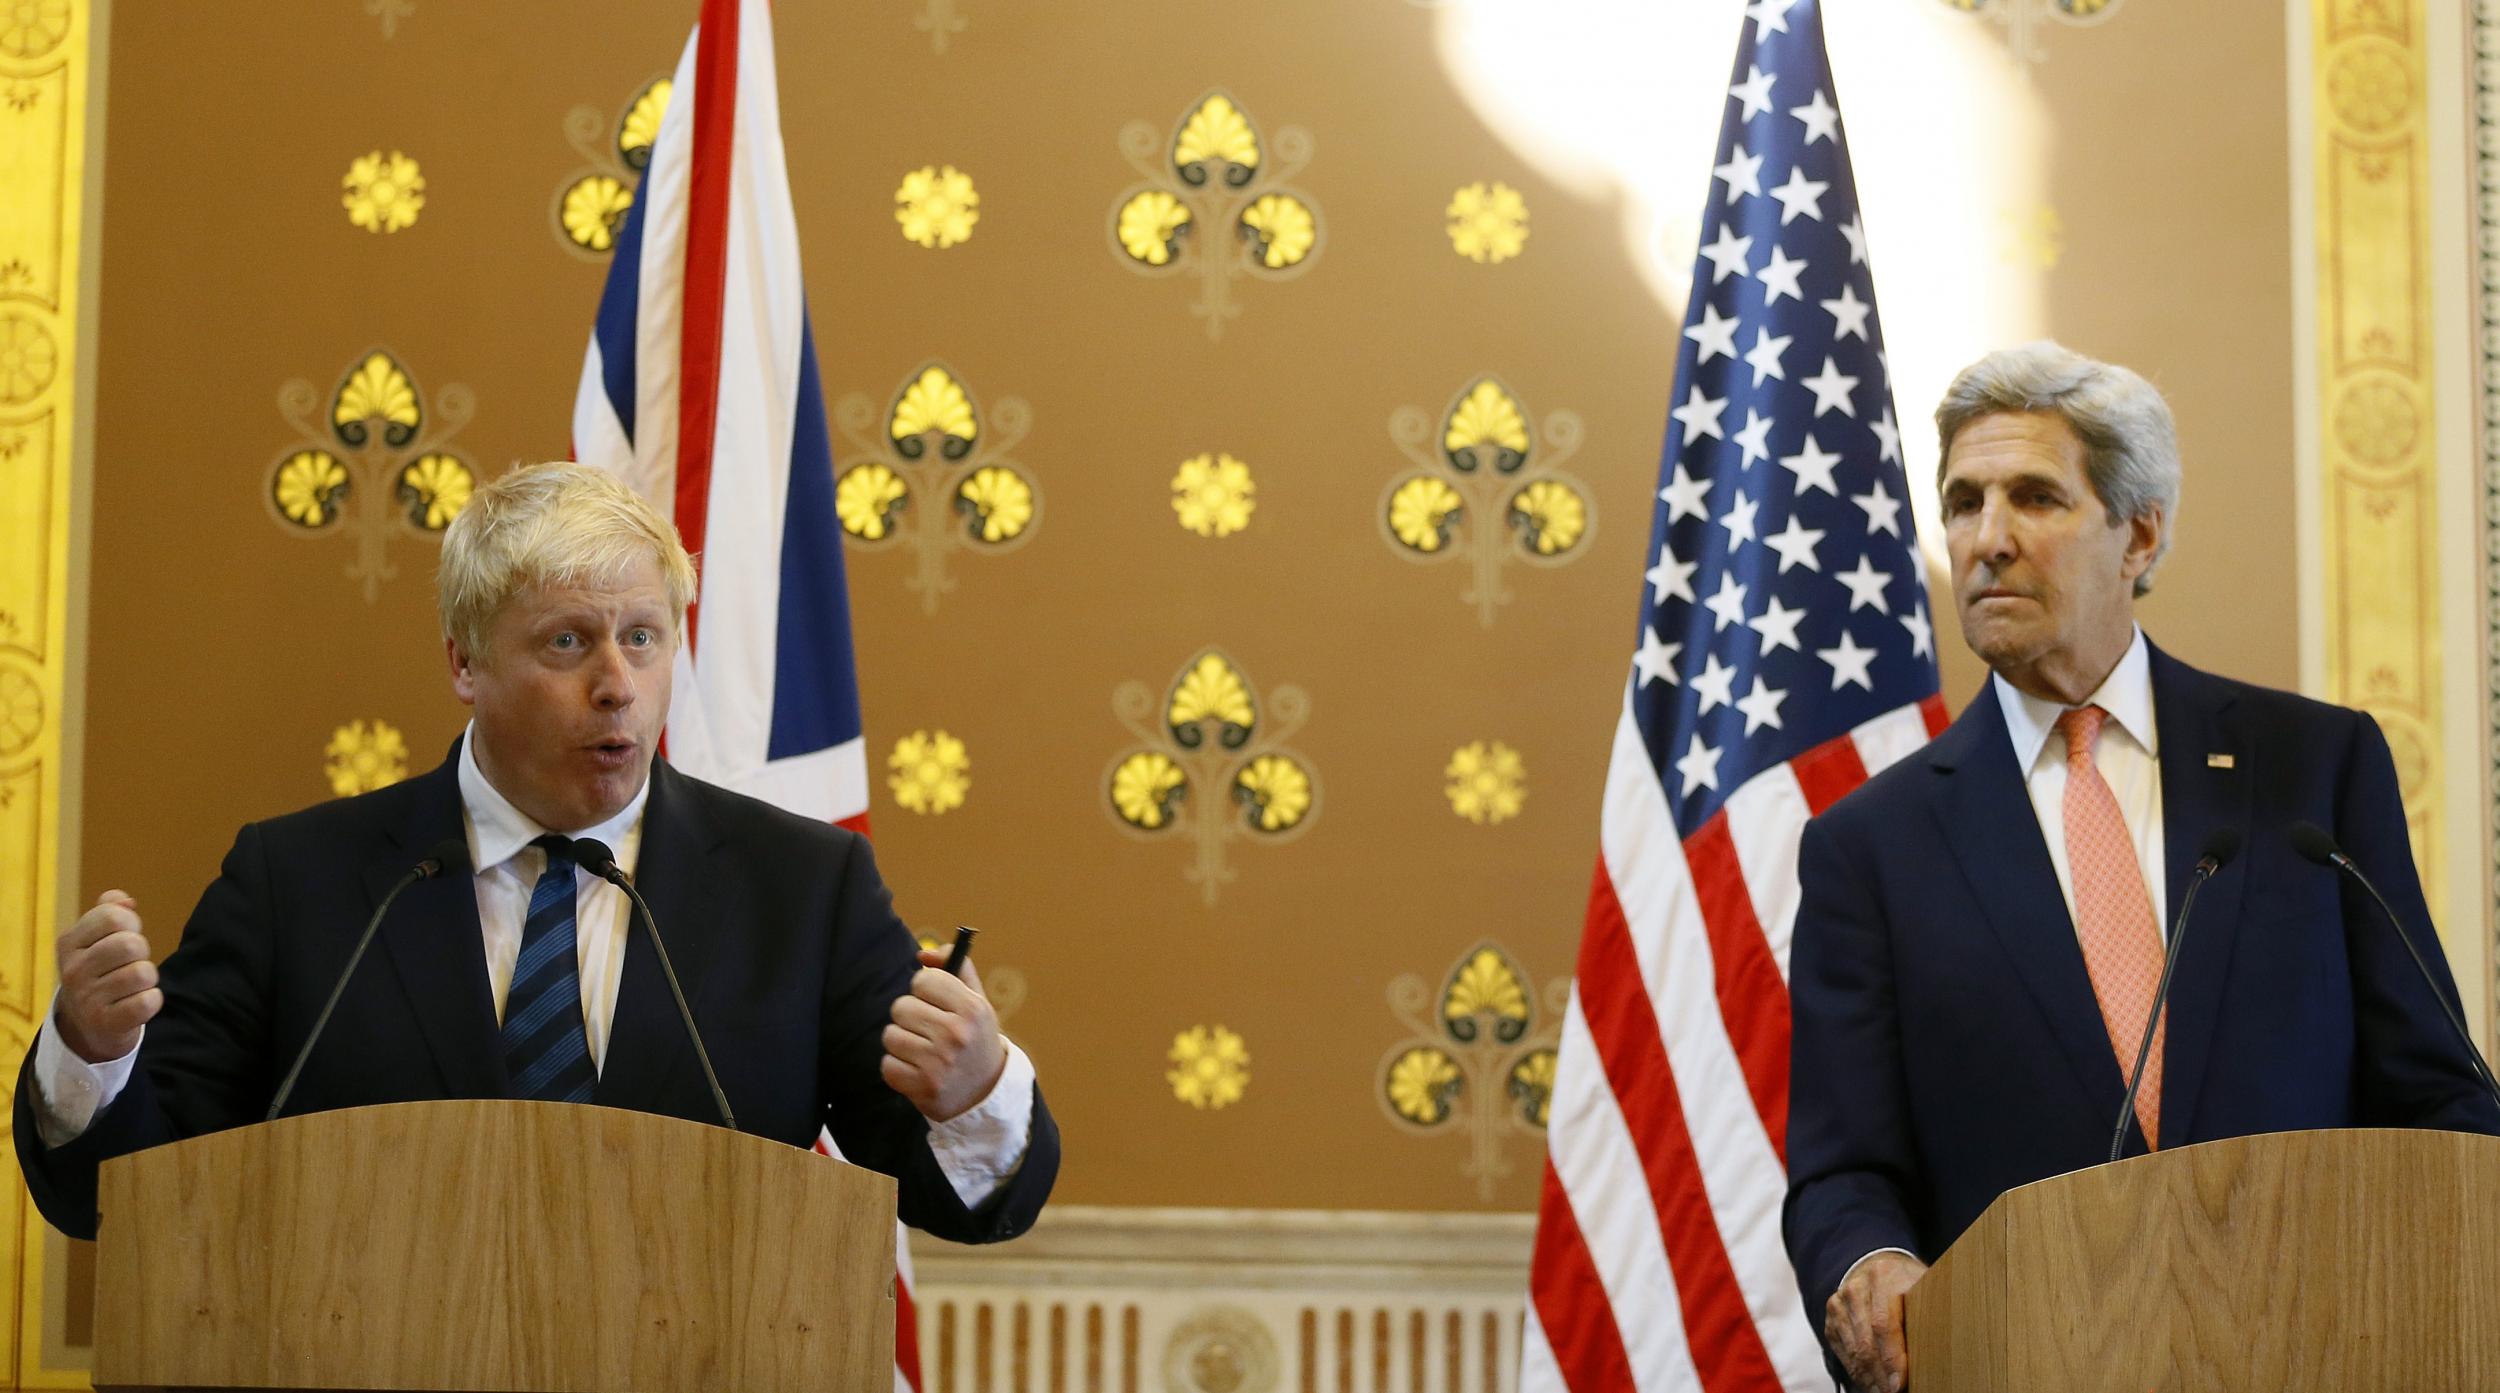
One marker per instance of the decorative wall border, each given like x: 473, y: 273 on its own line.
x: 2484, y: 25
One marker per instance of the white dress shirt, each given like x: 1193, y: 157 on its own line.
x: 978, y: 1150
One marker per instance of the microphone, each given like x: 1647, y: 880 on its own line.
x: 594, y: 857
x: 447, y: 856
x: 2315, y: 843
x: 2220, y: 847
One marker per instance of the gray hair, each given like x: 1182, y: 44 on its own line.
x: 550, y: 525
x: 2131, y: 447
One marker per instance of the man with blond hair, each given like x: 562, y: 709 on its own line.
x: 563, y: 599
x: 1982, y: 925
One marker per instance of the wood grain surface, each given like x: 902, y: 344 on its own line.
x: 2304, y: 1260
x: 490, y: 1245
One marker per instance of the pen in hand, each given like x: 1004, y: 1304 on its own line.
x: 961, y: 951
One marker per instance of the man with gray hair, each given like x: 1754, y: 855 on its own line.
x: 563, y: 599
x: 1982, y: 925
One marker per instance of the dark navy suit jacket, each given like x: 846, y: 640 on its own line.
x: 782, y: 933
x: 1947, y: 1046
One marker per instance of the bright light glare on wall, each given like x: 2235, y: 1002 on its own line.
x: 1620, y: 101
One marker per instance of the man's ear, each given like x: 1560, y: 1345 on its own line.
x: 2144, y: 534
x: 463, y: 676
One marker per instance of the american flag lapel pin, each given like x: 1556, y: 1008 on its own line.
x: 2221, y: 762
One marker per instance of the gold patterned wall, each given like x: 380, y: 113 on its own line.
x: 1245, y: 442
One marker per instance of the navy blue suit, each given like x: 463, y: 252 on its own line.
x: 781, y: 931
x: 1947, y: 1046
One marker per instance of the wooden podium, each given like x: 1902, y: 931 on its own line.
x: 2301, y: 1260
x: 493, y: 1246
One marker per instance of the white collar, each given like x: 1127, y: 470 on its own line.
x: 2126, y: 694
x: 498, y: 831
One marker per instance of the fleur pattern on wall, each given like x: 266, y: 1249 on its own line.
x: 1212, y: 494
x: 1486, y: 782
x: 939, y: 20
x: 935, y: 474
x: 1486, y: 487
x: 1210, y: 1067
x: 937, y: 206
x: 1488, y: 223
x: 363, y: 756
x: 383, y: 193
x: 376, y: 463
x: 1210, y: 764
x: 929, y: 772
x: 1475, y: 1060
x: 591, y: 202
x: 1218, y: 199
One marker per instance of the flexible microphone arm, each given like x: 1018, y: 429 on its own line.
x: 447, y: 855
x: 2219, y: 849
x: 2314, y: 842
x: 595, y: 858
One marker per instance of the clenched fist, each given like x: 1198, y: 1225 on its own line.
x: 943, y: 1050
x: 108, y: 983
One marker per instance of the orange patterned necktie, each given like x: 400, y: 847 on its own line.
x: 2113, y: 912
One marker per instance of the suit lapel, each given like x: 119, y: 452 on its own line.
x: 435, y: 945
x: 2196, y: 800
x: 647, y: 1040
x: 1995, y: 835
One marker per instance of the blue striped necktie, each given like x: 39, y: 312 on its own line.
x: 546, y: 1055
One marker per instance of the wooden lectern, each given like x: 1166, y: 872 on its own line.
x: 493, y: 1245
x: 2300, y: 1260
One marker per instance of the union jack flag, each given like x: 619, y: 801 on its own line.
x: 1783, y: 654
x: 700, y: 389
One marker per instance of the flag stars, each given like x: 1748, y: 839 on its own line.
x: 1728, y: 606
x: 1780, y: 277
x: 1656, y: 660
x: 1769, y: 16
x: 1754, y: 439
x: 1856, y: 233
x: 1699, y: 415
x: 1714, y: 684
x: 1831, y: 388
x: 1742, y: 173
x: 1821, y: 118
x: 1883, y: 511
x: 1727, y: 258
x: 1887, y: 436
x: 1866, y: 586
x: 1761, y: 706
x: 1754, y: 92
x: 1716, y: 333
x: 1699, y: 766
x: 1850, y: 664
x: 1739, y: 522
x: 1685, y: 496
x: 1813, y: 468
x: 1800, y: 196
x: 1795, y: 544
x: 1848, y: 316
x: 1764, y: 356
x: 1922, y: 634
x: 1671, y: 577
x: 1777, y: 626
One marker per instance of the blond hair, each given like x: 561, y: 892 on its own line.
x: 543, y: 525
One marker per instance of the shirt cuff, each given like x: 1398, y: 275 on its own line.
x: 980, y: 1149
x: 1861, y: 1262
x: 69, y: 1091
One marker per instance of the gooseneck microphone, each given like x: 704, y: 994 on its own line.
x: 2219, y: 849
x: 594, y: 857
x: 2315, y: 843
x: 446, y: 857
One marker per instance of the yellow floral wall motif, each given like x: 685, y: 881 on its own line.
x: 1476, y: 1060
x: 383, y: 193
x: 930, y: 772
x: 1488, y: 223
x: 363, y: 756
x: 591, y: 202
x: 1210, y: 1067
x: 1210, y: 766
x: 377, y: 462
x: 1485, y: 486
x: 937, y: 206
x: 1212, y: 494
x: 933, y: 473
x: 1215, y: 198
x: 1486, y: 782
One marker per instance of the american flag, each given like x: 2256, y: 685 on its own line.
x: 700, y: 389
x: 1784, y: 652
